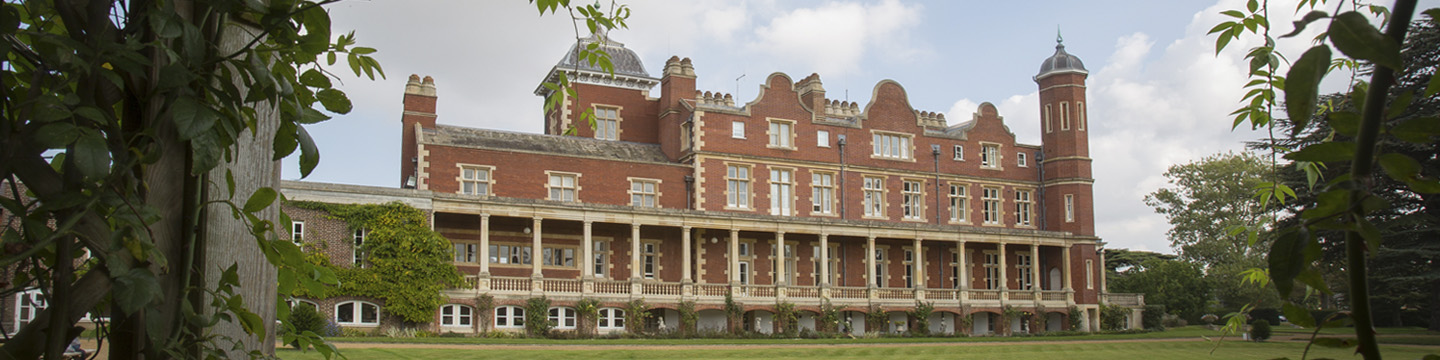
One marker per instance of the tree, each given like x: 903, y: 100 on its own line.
x: 1178, y: 285
x: 1206, y: 200
x: 1343, y: 203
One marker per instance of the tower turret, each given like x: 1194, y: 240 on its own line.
x: 1069, y: 198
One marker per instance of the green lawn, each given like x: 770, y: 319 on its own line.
x: 1067, y: 351
x: 1185, y: 332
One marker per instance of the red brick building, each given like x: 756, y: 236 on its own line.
x: 691, y: 195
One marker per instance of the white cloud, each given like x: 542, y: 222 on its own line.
x: 845, y: 32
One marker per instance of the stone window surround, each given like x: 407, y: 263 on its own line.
x: 618, y: 119
x: 552, y: 173
x: 770, y: 124
x: 460, y: 178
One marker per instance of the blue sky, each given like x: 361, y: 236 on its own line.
x: 1158, y: 94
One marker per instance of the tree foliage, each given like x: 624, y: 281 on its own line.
x: 1207, y: 200
x: 406, y: 263
x: 1179, y: 286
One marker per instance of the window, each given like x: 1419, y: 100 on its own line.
x: 510, y: 254
x: 1025, y: 269
x: 455, y: 315
x: 913, y: 200
x: 1046, y: 115
x: 744, y: 249
x: 465, y: 253
x: 27, y: 306
x: 959, y: 204
x: 879, y: 279
x: 822, y: 138
x: 643, y: 192
x: 955, y: 269
x: 891, y: 146
x: 834, y: 264
x: 602, y: 258
x: 1090, y: 274
x: 782, y: 134
x: 790, y: 263
x: 509, y: 317
x: 1069, y: 208
x: 1020, y: 160
x: 297, y: 232
x: 744, y: 272
x: 475, y: 180
x: 822, y: 193
x: 737, y: 129
x: 990, y: 156
x: 990, y: 209
x: 562, y: 317
x: 909, y: 268
x: 612, y: 319
x: 992, y: 270
x: 562, y: 186
x: 782, y: 192
x: 1023, y: 203
x: 874, y: 189
x: 357, y: 253
x: 1080, y: 116
x: 1064, y: 116
x: 959, y: 152
x: 357, y: 313
x: 561, y: 257
x: 648, y: 257
x: 737, y: 194
x: 607, y: 123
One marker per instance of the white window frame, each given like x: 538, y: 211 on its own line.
x: 357, y: 313
x: 955, y: 269
x: 1080, y: 115
x: 781, y: 134
x: 472, y: 184
x: 549, y: 258
x: 822, y: 193
x: 466, y: 253
x: 563, y: 317
x: 891, y: 145
x: 815, y: 263
x: 959, y: 152
x: 992, y: 269
x: 514, y: 317
x: 737, y: 130
x: 912, y: 199
x: 551, y: 187
x: 1064, y: 115
x: 649, y: 259
x: 1069, y: 208
x: 457, y: 315
x: 737, y: 190
x: 357, y: 248
x: 822, y: 138
x: 1021, y: 159
x: 601, y: 264
x: 514, y: 254
x: 909, y: 268
x: 28, y: 305
x: 882, y: 261
x: 782, y: 191
x: 1024, y: 207
x: 959, y: 203
x: 297, y: 231
x: 992, y: 206
x: 1025, y: 270
x: 607, y: 127
x: 990, y: 156
x: 874, y: 199
x: 1048, y: 127
x: 639, y: 197
x: 610, y: 319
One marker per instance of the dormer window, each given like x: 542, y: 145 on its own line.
x: 607, y: 123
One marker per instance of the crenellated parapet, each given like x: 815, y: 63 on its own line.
x: 842, y: 109
x: 717, y: 98
x: 929, y: 119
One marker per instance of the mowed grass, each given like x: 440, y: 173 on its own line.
x: 1180, y: 333
x: 1180, y: 349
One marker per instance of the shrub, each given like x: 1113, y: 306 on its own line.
x: 1209, y: 319
x: 688, y: 318
x: 1153, y: 317
x: 734, y: 314
x: 921, y: 313
x: 785, y: 319
x: 332, y: 329
x: 876, y: 319
x: 1259, y: 330
x: 1112, y: 317
x: 1270, y: 315
x: 636, y: 312
x: 485, y: 307
x: 829, y: 319
x: 587, y: 311
x: 451, y: 334
x: 1076, y: 316
x: 1172, y: 321
x: 537, y: 321
x: 304, y: 318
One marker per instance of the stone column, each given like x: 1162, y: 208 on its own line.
x: 685, y: 254
x: 535, y: 251
x: 964, y: 279
x: 1101, y: 268
x: 780, y: 278
x: 919, y: 264
x: 635, y: 251
x: 587, y: 244
x: 484, y: 245
x: 1065, y: 266
x: 734, y: 257
x: 870, y: 262
x: 824, y: 260
x: 1004, y: 273
x: 1036, y: 268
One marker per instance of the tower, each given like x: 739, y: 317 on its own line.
x: 1069, y: 197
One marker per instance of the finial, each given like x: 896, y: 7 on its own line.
x: 1058, y: 39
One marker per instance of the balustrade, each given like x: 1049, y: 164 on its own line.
x: 509, y: 284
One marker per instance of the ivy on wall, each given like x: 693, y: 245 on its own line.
x: 407, y: 263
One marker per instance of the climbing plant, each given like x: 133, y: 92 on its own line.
x: 537, y: 324
x: 876, y: 319
x: 829, y: 320
x: 688, y: 317
x: 785, y: 318
x: 587, y: 311
x: 406, y: 264
x: 636, y: 313
x: 921, y: 315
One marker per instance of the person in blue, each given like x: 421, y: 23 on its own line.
x: 74, y: 349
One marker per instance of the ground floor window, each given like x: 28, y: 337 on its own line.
x: 27, y: 305
x: 509, y: 317
x: 455, y: 315
x: 562, y: 317
x: 357, y: 313
x: 612, y: 319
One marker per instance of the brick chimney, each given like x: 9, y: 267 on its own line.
x: 419, y: 112
x: 677, y: 83
x: 812, y: 95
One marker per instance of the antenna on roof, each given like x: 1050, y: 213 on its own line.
x: 737, y: 86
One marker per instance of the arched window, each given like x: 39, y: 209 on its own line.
x: 509, y: 317
x: 562, y: 317
x: 455, y: 315
x: 612, y: 319
x: 357, y: 313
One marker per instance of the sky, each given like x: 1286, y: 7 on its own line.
x: 1158, y: 93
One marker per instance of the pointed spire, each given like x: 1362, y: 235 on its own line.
x: 1059, y: 40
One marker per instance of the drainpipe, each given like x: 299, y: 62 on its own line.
x: 843, y: 189
x: 935, y: 149
x: 1040, y: 162
x: 689, y: 191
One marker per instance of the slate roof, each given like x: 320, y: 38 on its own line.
x: 541, y: 143
x: 626, y: 62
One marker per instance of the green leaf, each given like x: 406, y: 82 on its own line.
x: 314, y: 78
x: 1302, y: 84
x: 1324, y: 152
x: 334, y: 100
x: 1287, y: 258
x: 1419, y: 129
x: 1234, y: 13
x: 230, y: 183
x: 134, y: 289
x: 261, y: 199
x: 1309, y: 18
x: 57, y: 134
x: 309, y: 153
x: 1353, y: 35
x: 206, y: 151
x: 91, y: 155
x: 1344, y: 122
x: 1298, y: 315
x: 191, y: 117
x: 1400, y: 167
